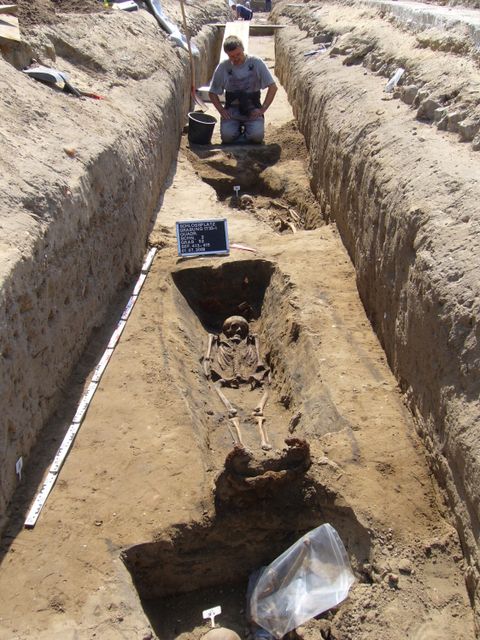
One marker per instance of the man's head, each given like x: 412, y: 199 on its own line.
x: 233, y: 47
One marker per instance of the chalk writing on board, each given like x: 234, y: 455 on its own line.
x: 202, y: 237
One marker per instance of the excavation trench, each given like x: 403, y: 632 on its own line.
x: 155, y: 476
x: 342, y: 448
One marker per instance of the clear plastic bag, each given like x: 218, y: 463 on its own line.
x: 313, y: 575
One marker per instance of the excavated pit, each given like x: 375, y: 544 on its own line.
x: 273, y: 179
x: 236, y: 288
x: 262, y: 501
x: 195, y: 565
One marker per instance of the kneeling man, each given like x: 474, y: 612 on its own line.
x: 242, y: 77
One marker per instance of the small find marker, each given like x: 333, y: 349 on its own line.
x: 214, y: 611
x: 236, y: 188
x: 18, y: 468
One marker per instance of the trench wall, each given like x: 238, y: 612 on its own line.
x: 408, y: 217
x: 80, y: 187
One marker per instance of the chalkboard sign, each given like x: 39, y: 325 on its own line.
x: 202, y: 237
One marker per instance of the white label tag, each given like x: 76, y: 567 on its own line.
x: 19, y: 467
x: 211, y: 613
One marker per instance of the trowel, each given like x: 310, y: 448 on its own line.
x: 48, y: 75
x: 59, y: 79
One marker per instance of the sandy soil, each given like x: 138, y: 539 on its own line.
x: 146, y: 479
x: 45, y: 11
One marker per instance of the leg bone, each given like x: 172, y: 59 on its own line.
x: 232, y: 412
x: 236, y: 434
x: 230, y: 408
x: 266, y: 446
x: 258, y: 411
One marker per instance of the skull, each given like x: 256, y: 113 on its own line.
x: 235, y: 328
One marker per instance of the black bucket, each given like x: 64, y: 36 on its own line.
x: 200, y: 127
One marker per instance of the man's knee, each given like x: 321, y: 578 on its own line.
x: 229, y: 131
x: 254, y: 131
x: 229, y: 136
x: 255, y: 137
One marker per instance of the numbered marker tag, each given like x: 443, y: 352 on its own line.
x: 211, y: 613
x: 19, y: 467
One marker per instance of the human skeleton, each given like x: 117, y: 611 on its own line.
x: 233, y: 359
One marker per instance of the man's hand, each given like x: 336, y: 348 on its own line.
x: 215, y: 100
x: 255, y: 114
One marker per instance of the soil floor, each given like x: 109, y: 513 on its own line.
x: 147, y: 463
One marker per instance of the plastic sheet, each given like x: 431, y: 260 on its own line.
x: 313, y: 575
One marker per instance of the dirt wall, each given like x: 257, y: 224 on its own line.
x: 404, y: 196
x: 81, y: 179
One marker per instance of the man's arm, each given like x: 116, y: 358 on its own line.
x: 215, y: 100
x: 258, y: 113
x: 271, y: 91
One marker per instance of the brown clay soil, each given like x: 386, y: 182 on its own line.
x: 45, y: 11
x: 153, y: 519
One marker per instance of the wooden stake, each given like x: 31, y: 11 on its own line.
x: 190, y: 55
x: 193, y: 90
